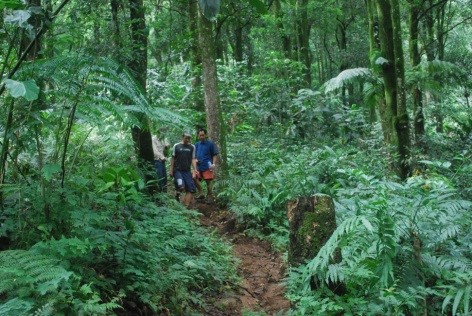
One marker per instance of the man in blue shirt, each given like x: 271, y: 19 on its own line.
x: 206, y: 154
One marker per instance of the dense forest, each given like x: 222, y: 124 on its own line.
x: 367, y: 102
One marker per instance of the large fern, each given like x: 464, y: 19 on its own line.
x: 103, y: 86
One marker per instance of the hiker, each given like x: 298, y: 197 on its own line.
x: 206, y: 155
x: 160, y: 147
x: 181, y: 163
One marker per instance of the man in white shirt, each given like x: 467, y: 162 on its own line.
x: 160, y: 146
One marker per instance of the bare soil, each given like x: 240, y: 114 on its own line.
x: 261, y: 269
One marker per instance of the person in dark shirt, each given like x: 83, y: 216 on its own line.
x: 206, y: 155
x: 181, y: 163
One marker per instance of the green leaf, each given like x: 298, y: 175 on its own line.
x: 27, y: 89
x: 457, y: 301
x: 49, y: 170
x: 260, y: 6
x: 10, y: 4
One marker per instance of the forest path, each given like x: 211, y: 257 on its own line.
x: 260, y: 268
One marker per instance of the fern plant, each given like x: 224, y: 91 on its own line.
x: 403, y: 241
x: 32, y: 283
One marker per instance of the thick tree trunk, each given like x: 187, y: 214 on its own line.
x: 402, y: 121
x: 392, y: 72
x: 141, y: 135
x: 210, y: 89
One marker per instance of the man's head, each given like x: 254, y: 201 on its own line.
x: 186, y: 137
x: 202, y: 134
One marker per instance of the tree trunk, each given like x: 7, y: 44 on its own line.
x: 415, y: 59
x: 303, y: 35
x: 195, y: 58
x: 210, y: 86
x: 285, y: 38
x: 392, y: 69
x: 141, y: 135
x: 374, y: 48
x: 402, y: 121
x: 238, y: 43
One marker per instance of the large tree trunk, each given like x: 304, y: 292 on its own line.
x: 392, y: 69
x: 210, y: 86
x: 141, y: 135
x: 401, y: 121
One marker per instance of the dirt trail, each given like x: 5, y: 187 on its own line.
x: 261, y: 269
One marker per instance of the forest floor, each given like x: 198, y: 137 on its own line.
x: 260, y: 268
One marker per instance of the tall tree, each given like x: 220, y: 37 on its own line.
x: 210, y: 86
x: 303, y: 39
x: 393, y: 76
x: 141, y: 134
x: 415, y: 59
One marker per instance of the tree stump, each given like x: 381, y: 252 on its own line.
x: 312, y: 221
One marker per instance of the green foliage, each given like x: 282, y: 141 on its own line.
x: 11, y: 4
x: 32, y: 283
x: 390, y: 235
x: 28, y: 89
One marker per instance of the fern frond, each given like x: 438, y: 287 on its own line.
x: 105, y: 84
x: 22, y: 268
x: 346, y: 77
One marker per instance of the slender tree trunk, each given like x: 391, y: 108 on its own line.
x: 286, y: 43
x: 141, y: 135
x: 195, y: 57
x: 210, y: 86
x: 238, y: 43
x: 114, y: 4
x: 415, y: 59
x: 303, y: 35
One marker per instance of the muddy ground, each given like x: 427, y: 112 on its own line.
x: 261, y: 269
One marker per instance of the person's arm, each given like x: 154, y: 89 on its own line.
x: 172, y: 161
x: 194, y: 165
x: 214, y: 155
x: 194, y: 162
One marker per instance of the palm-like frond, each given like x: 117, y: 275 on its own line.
x: 103, y: 88
x: 348, y: 76
x: 435, y: 74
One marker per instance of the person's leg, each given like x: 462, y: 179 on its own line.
x: 198, y: 185
x: 161, y: 175
x: 179, y: 185
x: 187, y: 199
x: 189, y: 188
x: 209, y: 188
